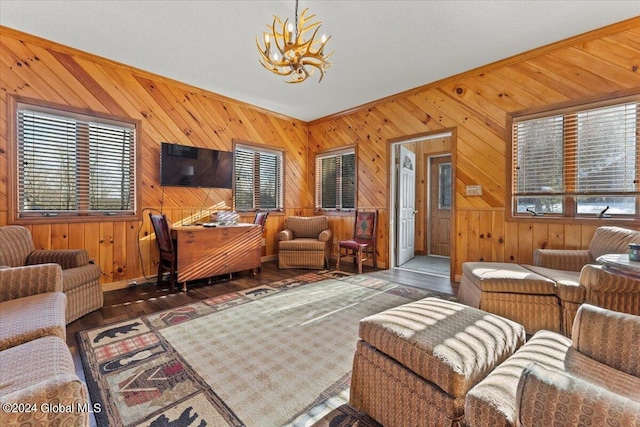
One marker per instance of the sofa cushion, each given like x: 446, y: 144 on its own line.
x: 492, y: 402
x: 32, y: 317
x: 301, y: 245
x: 15, y: 245
x: 507, y: 277
x: 449, y: 344
x: 34, y: 361
x: 568, y: 286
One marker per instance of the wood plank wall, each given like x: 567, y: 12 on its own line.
x: 475, y: 104
x: 169, y: 111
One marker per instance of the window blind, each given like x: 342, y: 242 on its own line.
x: 335, y: 180
x: 589, y: 155
x: 74, y: 165
x: 259, y: 177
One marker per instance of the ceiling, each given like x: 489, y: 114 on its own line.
x: 381, y: 47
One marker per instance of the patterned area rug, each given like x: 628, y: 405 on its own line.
x: 269, y: 356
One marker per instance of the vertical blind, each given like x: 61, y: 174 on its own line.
x: 590, y: 154
x: 73, y: 164
x: 259, y: 176
x: 335, y: 180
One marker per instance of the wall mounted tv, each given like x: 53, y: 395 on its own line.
x: 186, y: 166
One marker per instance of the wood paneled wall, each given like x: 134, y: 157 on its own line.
x: 169, y: 111
x: 475, y: 104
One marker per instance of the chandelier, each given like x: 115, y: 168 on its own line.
x: 287, y: 53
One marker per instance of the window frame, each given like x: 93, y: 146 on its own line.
x: 14, y: 215
x: 335, y: 152
x: 570, y: 215
x: 259, y: 148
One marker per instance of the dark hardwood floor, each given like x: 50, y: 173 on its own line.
x: 147, y: 298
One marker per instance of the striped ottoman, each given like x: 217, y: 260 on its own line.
x: 415, y: 363
x: 513, y: 291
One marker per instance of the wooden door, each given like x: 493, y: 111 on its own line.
x: 439, y: 205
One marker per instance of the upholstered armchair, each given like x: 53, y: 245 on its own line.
x: 591, y: 378
x: 606, y: 240
x: 305, y: 242
x: 80, y: 278
x: 600, y: 382
x: 595, y: 285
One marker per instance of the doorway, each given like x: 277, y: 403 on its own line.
x: 421, y: 204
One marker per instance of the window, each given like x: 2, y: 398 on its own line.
x: 258, y: 178
x: 577, y: 163
x: 336, y: 180
x: 444, y: 186
x: 71, y: 164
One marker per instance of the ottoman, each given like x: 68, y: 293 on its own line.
x: 512, y: 291
x: 415, y: 363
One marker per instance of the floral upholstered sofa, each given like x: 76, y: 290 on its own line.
x: 38, y: 383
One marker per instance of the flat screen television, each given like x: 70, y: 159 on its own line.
x: 186, y: 166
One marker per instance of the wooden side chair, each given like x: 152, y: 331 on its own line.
x: 363, y: 243
x: 168, y: 256
x: 261, y: 218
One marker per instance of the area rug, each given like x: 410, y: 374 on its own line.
x: 269, y: 356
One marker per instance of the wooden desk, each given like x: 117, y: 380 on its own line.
x: 211, y: 251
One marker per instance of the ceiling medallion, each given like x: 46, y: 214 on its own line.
x: 287, y: 53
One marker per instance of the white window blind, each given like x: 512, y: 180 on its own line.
x: 259, y: 177
x: 336, y: 180
x: 579, y: 162
x: 71, y: 164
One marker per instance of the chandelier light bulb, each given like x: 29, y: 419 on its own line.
x: 292, y: 54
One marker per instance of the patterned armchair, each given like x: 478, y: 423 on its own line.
x: 592, y: 378
x: 305, y: 242
x: 80, y: 278
x: 36, y: 366
x: 595, y: 285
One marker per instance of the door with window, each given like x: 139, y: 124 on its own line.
x: 439, y: 205
x: 407, y: 206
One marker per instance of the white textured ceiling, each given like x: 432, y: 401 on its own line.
x: 381, y: 47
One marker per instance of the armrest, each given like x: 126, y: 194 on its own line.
x: 285, y: 235
x: 562, y: 259
x: 596, y: 279
x: 609, y: 337
x: 67, y: 258
x: 545, y: 396
x: 325, y: 235
x: 64, y: 390
x: 18, y: 282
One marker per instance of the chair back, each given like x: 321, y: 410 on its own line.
x: 163, y: 234
x: 612, y: 240
x: 15, y: 245
x: 306, y: 227
x: 364, y: 227
x: 261, y: 218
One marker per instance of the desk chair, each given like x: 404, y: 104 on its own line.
x: 363, y: 243
x: 261, y: 218
x: 168, y: 256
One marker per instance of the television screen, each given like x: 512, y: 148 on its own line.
x: 185, y: 166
